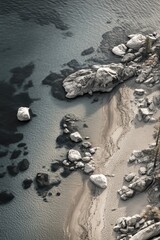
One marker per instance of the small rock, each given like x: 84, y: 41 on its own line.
x: 86, y: 144
x: 76, y: 137
x: 87, y: 51
x: 27, y: 183
x: 23, y: 165
x: 5, y: 197
x: 13, y: 170
x: 119, y: 50
x: 23, y: 114
x: 142, y: 170
x: 139, y: 92
x: 86, y: 159
x: 129, y: 177
x: 66, y: 130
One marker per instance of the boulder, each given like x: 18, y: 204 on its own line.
x: 5, y: 197
x: 23, y: 114
x: 55, y: 165
x: 99, y: 180
x: 136, y: 41
x: 86, y: 159
x: 74, y: 155
x: 101, y: 78
x: 119, y: 50
x: 75, y: 137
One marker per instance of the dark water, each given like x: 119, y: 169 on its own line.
x: 37, y: 37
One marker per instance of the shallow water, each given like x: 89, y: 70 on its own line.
x: 30, y: 32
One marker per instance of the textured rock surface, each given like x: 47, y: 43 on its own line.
x: 99, y: 180
x: 23, y: 114
x: 76, y: 137
x: 74, y: 155
x: 101, y: 78
x: 119, y: 50
x: 136, y: 41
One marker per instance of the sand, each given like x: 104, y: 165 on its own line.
x: 95, y: 211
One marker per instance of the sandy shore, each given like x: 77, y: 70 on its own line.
x: 95, y: 211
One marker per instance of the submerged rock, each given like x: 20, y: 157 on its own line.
x: 23, y: 114
x: 27, y: 183
x: 23, y: 165
x: 42, y: 180
x: 99, y: 180
x: 87, y: 51
x: 5, y: 197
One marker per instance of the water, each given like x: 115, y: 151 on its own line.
x: 30, y: 32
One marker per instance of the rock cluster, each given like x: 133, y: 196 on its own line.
x: 147, y: 107
x: 129, y: 227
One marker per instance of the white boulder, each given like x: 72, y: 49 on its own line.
x: 74, y: 155
x: 23, y: 114
x: 136, y: 41
x: 75, y: 137
x: 119, y: 50
x: 99, y: 180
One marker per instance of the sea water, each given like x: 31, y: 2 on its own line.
x: 29, y: 32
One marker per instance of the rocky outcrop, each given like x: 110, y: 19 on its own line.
x: 99, y: 180
x: 23, y: 114
x: 99, y: 78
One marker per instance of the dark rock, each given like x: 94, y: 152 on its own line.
x: 58, y: 194
x: 64, y: 140
x: 21, y: 73
x: 66, y: 172
x: 74, y: 64
x: 15, y: 154
x: 55, y: 165
x: 2, y: 174
x: 25, y: 153
x: 23, y: 165
x: 85, y: 125
x: 28, y: 85
x: 5, y: 197
x: 27, y: 183
x: 66, y: 72
x: 49, y: 80
x: 87, y: 51
x: 13, y: 170
x: 42, y: 180
x: 21, y: 145
x: 57, y: 90
x: 49, y: 194
x: 3, y: 153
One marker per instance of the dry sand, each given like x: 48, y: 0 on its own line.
x: 95, y: 211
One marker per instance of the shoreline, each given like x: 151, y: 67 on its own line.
x: 95, y: 214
